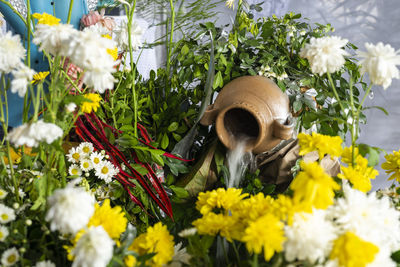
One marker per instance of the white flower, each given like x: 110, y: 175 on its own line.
x: 97, y: 28
x: 122, y: 39
x: 106, y: 171
x: 180, y: 257
x: 3, y: 193
x: 372, y: 219
x: 20, y: 136
x: 188, y: 232
x: 3, y: 233
x: 22, y: 77
x: 310, y: 237
x: 45, y: 264
x: 382, y: 258
x: 71, y: 107
x: 55, y: 39
x: 86, y: 148
x: 45, y: 131
x: 12, y: 52
x: 74, y: 155
x: 10, y: 257
x: 86, y: 164
x: 74, y: 170
x: 20, y: 193
x: 70, y: 209
x: 302, y: 32
x: 6, y: 214
x: 94, y: 248
x: 99, y: 78
x: 380, y: 62
x: 325, y: 54
x: 96, y: 158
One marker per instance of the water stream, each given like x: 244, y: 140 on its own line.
x: 238, y: 160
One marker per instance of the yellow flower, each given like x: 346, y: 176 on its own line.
x: 254, y: 207
x: 313, y: 187
x: 130, y: 261
x: 265, y: 233
x: 156, y: 240
x: 112, y: 219
x: 39, y: 77
x: 46, y: 19
x: 219, y: 198
x: 346, y: 155
x: 360, y: 174
x: 392, y: 165
x: 324, y: 144
x: 112, y: 52
x: 352, y: 251
x: 225, y: 225
x: 94, y: 103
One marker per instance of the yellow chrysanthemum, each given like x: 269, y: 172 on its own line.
x: 392, y: 165
x: 130, y: 261
x: 324, y: 144
x: 220, y: 198
x: 156, y: 240
x: 352, y: 251
x: 112, y: 52
x: 254, y: 207
x: 360, y: 174
x: 347, y: 155
x: 230, y: 227
x: 112, y: 219
x: 39, y: 77
x: 46, y: 19
x: 265, y: 233
x: 313, y: 186
x: 87, y: 107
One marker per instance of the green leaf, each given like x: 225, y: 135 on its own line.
x: 396, y: 256
x: 218, y: 80
x: 297, y: 105
x: 179, y: 191
x: 140, y: 169
x: 164, y: 141
x: 378, y: 107
x: 185, y: 50
x: 173, y: 126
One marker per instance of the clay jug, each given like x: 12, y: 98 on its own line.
x: 251, y: 107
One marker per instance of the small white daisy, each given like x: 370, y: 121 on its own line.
x: 96, y: 158
x: 74, y: 155
x: 10, y: 257
x: 74, y: 170
x: 86, y: 148
x: 45, y: 264
x: 6, y: 214
x: 3, y: 193
x: 106, y: 171
x: 86, y: 164
x: 3, y: 233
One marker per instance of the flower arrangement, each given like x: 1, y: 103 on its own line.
x: 111, y: 169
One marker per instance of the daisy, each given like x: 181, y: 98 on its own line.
x: 6, y: 214
x: 74, y: 170
x: 10, y: 257
x: 45, y: 264
x: 86, y: 164
x: 106, y: 171
x: 96, y: 158
x: 3, y: 233
x: 86, y: 148
x: 74, y: 155
x: 3, y: 193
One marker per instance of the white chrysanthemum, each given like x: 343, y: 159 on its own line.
x: 74, y: 170
x: 70, y: 209
x: 86, y: 164
x: 55, y: 39
x: 310, y: 237
x: 180, y: 258
x: 372, y: 219
x: 100, y: 79
x: 97, y: 28
x: 12, y: 52
x: 188, y: 232
x: 22, y: 78
x: 86, y: 148
x: 3, y: 233
x: 20, y: 136
x: 380, y: 63
x: 10, y: 257
x: 94, y: 248
x: 382, y: 258
x: 6, y: 214
x: 106, y: 171
x: 325, y: 54
x: 121, y: 36
x: 3, y: 193
x: 71, y: 107
x: 74, y: 155
x: 45, y: 264
x: 96, y: 158
x: 45, y: 131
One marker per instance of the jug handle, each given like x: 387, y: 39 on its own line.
x: 209, y: 116
x: 283, y: 129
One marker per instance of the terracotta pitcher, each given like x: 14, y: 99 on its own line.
x: 251, y: 107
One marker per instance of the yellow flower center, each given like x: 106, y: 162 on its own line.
x: 86, y: 149
x: 96, y: 160
x: 12, y: 258
x: 74, y: 171
x: 104, y: 170
x: 76, y: 156
x: 38, y: 77
x: 1, y: 235
x: 4, y: 216
x: 86, y: 165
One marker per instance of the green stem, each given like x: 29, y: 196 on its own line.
x: 171, y: 37
x: 236, y: 252
x: 71, y: 4
x: 224, y: 249
x: 354, y: 123
x: 335, y: 92
x: 254, y: 263
x: 364, y: 97
x: 28, y: 25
